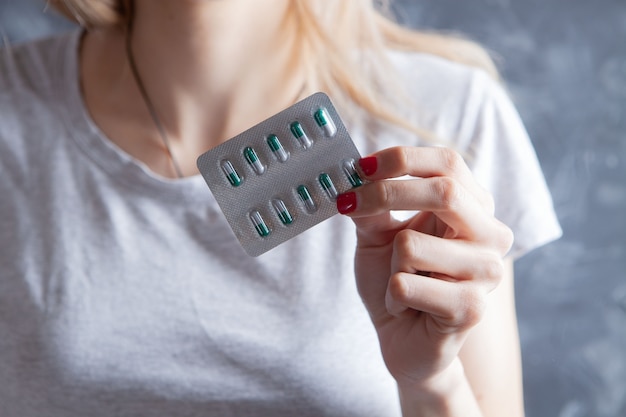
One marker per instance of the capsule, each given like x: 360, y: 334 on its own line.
x: 233, y: 177
x: 353, y: 176
x: 277, y: 148
x: 328, y: 186
x: 300, y: 134
x: 324, y: 121
x: 253, y: 160
x: 282, y: 211
x: 306, y: 198
x: 259, y: 224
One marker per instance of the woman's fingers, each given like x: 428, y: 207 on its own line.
x: 453, y: 291
x: 424, y: 162
x: 453, y: 305
x: 415, y: 253
x: 444, y: 196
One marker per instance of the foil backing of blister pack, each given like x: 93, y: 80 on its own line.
x: 262, y: 188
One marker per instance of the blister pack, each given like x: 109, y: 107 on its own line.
x: 282, y: 176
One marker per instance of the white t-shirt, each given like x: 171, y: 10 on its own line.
x: 123, y: 293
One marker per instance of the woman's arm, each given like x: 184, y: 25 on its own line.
x: 426, y: 281
x: 488, y: 379
x: 491, y: 354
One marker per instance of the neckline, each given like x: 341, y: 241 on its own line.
x: 106, y: 155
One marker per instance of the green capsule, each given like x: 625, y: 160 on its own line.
x: 233, y: 177
x: 353, y: 176
x: 324, y: 121
x: 282, y: 211
x: 306, y: 198
x: 259, y: 224
x: 327, y: 185
x: 253, y: 160
x: 300, y: 134
x: 277, y: 148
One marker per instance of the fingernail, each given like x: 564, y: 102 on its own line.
x: 368, y: 165
x: 346, y: 203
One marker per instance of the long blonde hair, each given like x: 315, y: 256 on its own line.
x: 331, y: 32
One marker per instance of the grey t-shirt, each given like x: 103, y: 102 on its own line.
x: 123, y: 293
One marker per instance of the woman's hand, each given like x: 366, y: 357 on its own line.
x: 425, y: 280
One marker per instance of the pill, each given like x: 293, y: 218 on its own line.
x: 253, y: 160
x: 299, y: 133
x: 277, y: 148
x: 282, y: 211
x: 353, y: 176
x: 328, y: 186
x: 306, y: 198
x: 324, y: 121
x: 233, y: 177
x: 259, y: 224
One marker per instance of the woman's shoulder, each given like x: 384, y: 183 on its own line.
x: 33, y: 80
x: 422, y: 64
x: 472, y: 111
x: 444, y: 98
x: 32, y: 67
x: 440, y: 84
x: 34, y: 74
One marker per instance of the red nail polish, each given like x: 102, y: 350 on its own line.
x: 346, y: 203
x: 368, y: 165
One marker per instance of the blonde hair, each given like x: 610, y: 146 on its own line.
x: 93, y: 13
x: 366, y: 78
x: 331, y: 33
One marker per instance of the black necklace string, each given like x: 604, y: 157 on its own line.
x: 146, y: 97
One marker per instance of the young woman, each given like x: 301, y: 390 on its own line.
x: 123, y: 291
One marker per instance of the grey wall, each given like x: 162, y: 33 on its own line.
x: 565, y: 64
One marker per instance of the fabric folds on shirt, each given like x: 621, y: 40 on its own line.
x: 123, y: 293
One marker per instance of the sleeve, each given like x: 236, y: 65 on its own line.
x: 504, y: 161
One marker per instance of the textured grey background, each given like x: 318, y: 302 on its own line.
x: 565, y: 64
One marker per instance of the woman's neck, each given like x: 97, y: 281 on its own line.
x: 211, y: 69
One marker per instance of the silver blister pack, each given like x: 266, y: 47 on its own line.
x: 282, y: 176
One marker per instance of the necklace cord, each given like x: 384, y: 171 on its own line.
x: 144, y: 93
x: 146, y: 97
